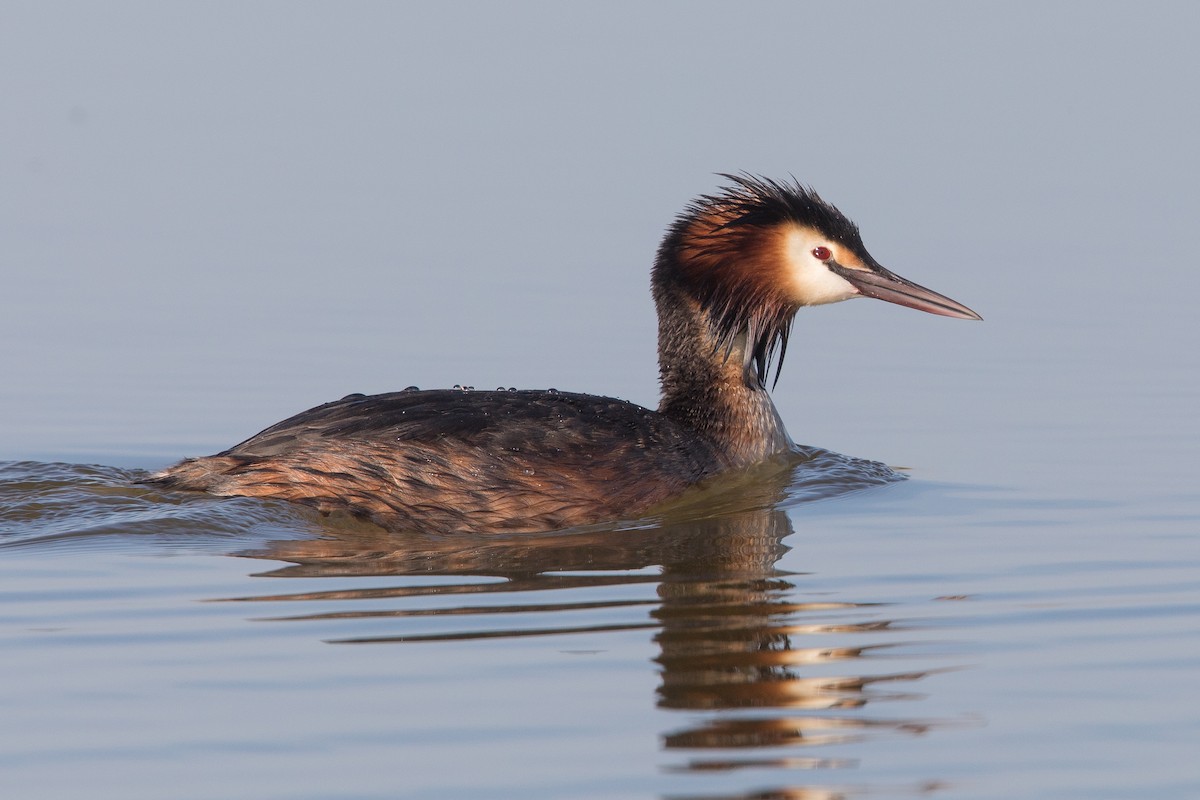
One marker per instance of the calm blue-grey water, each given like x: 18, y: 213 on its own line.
x: 213, y: 216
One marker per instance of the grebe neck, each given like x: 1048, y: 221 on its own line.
x: 706, y: 385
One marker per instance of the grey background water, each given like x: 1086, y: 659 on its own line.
x: 215, y: 215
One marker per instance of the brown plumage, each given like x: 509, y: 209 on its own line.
x: 452, y: 460
x: 728, y: 279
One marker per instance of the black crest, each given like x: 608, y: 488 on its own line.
x: 757, y: 201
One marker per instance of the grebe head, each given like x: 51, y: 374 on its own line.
x: 757, y: 251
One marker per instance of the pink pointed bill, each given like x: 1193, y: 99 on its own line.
x: 884, y: 285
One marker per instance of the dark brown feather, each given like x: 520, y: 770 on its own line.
x: 449, y: 460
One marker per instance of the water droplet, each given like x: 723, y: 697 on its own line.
x: 552, y: 391
x: 529, y: 472
x: 412, y: 388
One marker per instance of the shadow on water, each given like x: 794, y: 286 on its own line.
x: 770, y: 673
x: 764, y: 669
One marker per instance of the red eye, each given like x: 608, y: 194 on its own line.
x: 822, y: 253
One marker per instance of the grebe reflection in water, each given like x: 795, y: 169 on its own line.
x: 730, y: 275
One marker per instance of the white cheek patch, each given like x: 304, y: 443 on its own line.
x: 813, y: 283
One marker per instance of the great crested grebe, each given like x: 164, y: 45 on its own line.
x: 728, y: 279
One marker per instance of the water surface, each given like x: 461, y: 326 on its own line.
x: 744, y: 647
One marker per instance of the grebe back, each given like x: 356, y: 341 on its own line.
x: 728, y: 279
